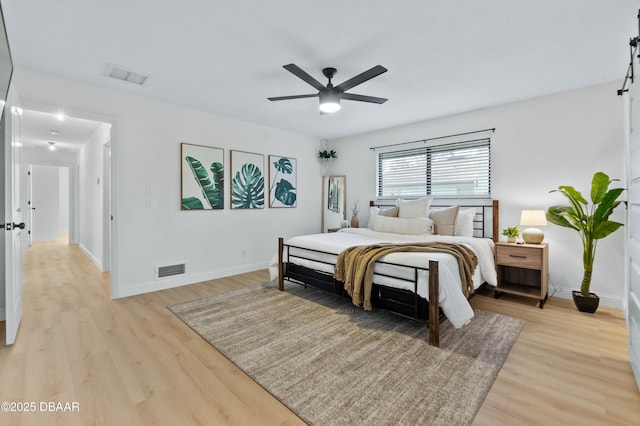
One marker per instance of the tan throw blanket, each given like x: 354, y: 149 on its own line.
x: 355, y: 266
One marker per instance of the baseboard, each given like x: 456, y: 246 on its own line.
x: 155, y: 285
x: 605, y: 299
x: 91, y: 257
x: 3, y: 314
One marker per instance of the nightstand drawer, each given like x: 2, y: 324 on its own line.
x: 518, y: 256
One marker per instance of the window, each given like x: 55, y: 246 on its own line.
x: 453, y: 169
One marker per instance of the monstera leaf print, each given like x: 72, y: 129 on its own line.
x: 284, y: 193
x: 213, y: 191
x: 247, y: 188
x: 283, y: 165
x: 282, y: 189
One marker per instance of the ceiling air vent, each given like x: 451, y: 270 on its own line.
x: 170, y: 270
x: 119, y: 73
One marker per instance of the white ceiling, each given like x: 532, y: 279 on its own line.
x: 226, y: 57
x: 69, y: 134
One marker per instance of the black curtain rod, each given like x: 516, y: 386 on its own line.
x: 433, y: 139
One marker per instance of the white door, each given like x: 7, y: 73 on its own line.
x: 13, y: 221
x: 46, y: 200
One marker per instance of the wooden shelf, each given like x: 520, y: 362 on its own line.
x: 520, y: 289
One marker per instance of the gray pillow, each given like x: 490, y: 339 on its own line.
x: 445, y: 220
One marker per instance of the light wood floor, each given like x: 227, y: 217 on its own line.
x: 130, y: 361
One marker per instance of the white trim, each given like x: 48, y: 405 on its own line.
x: 91, y: 257
x: 155, y: 285
x: 605, y: 299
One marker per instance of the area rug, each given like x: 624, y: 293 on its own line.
x: 334, y: 364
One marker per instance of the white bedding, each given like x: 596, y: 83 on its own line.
x: 452, y: 300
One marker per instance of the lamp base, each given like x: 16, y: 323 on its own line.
x: 532, y: 236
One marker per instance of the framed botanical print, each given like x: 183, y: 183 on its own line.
x: 283, y: 175
x: 201, y: 177
x: 247, y: 180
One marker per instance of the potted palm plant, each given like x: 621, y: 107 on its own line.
x: 592, y: 223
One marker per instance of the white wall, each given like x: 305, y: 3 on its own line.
x: 538, y: 145
x: 90, y: 184
x: 64, y: 199
x: 149, y: 228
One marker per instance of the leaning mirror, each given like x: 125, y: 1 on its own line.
x: 334, y: 202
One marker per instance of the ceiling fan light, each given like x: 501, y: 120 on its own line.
x: 329, y: 107
x: 329, y: 102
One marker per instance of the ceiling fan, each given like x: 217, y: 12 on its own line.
x: 331, y: 95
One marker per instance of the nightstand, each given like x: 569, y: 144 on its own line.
x: 523, y: 270
x: 333, y: 229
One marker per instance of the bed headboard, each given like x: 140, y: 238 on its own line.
x: 485, y: 222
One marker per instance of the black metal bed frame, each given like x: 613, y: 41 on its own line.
x: 400, y: 301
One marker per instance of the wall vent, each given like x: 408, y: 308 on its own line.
x: 170, y: 270
x: 119, y: 73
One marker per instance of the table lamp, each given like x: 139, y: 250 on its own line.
x: 533, y: 218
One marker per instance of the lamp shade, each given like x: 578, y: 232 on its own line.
x: 329, y: 101
x: 533, y: 218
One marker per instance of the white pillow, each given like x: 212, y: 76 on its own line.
x: 404, y: 226
x: 413, y: 208
x: 373, y: 212
x: 464, y: 222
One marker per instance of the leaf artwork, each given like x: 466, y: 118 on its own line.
x: 247, y: 188
x: 212, y: 188
x: 284, y: 193
x: 283, y: 188
x: 192, y: 203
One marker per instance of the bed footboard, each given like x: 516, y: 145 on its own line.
x: 434, y: 293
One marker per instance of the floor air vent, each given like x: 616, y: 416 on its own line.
x: 170, y: 270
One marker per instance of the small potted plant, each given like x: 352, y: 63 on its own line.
x: 327, y: 155
x: 511, y: 233
x: 592, y: 223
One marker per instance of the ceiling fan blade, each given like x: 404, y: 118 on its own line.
x: 284, y: 98
x: 300, y: 73
x: 361, y: 78
x: 363, y: 98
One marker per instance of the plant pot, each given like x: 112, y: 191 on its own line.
x: 586, y: 304
x: 511, y: 240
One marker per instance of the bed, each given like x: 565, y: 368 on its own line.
x: 403, y: 282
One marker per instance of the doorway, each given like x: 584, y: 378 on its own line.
x: 69, y: 162
x: 48, y: 203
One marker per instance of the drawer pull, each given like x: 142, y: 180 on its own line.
x: 519, y: 257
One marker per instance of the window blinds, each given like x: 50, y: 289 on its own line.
x: 455, y: 169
